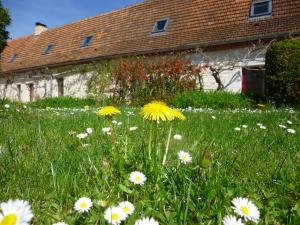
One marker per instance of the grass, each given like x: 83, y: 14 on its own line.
x: 42, y: 161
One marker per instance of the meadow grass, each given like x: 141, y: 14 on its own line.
x: 42, y: 161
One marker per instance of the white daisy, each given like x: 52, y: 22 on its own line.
x: 89, y: 130
x: 137, y: 177
x: 127, y: 207
x: 237, y: 129
x: 82, y: 136
x: 60, y: 223
x: 119, y: 123
x: 289, y: 122
x: 259, y: 124
x: 133, y: 128
x: 146, y: 221
x: 114, y: 215
x: 106, y: 129
x: 114, y: 122
x: 213, y: 117
x: 16, y: 212
x: 184, y: 157
x: 7, y: 106
x: 232, y: 220
x: 244, y: 126
x: 262, y: 127
x: 282, y: 126
x: 24, y: 107
x: 85, y: 145
x: 83, y: 205
x: 292, y: 131
x: 177, y: 137
x: 245, y: 208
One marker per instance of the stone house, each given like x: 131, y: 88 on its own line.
x: 224, y: 30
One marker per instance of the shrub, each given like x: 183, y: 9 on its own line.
x: 62, y: 102
x: 283, y: 71
x: 214, y: 100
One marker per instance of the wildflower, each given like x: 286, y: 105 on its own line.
x: 244, y: 126
x: 102, y: 203
x: 119, y: 123
x: 106, y: 129
x: 133, y: 128
x: 82, y: 136
x: 60, y: 223
x: 83, y: 205
x: 108, y: 111
x: 232, y: 220
x: 6, y: 106
x: 259, y: 124
x: 282, y: 126
x: 85, y: 145
x: 114, y: 215
x: 237, y: 129
x: 86, y: 107
x: 146, y: 221
x: 184, y: 157
x: 262, y: 127
x: 292, y: 131
x: 24, y: 107
x: 213, y: 117
x: 127, y: 207
x: 89, y: 130
x: 15, y: 212
x: 177, y: 137
x: 178, y: 114
x: 289, y: 122
x: 114, y: 122
x: 157, y: 111
x: 245, y: 208
x: 137, y: 177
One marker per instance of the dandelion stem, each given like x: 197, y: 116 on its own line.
x: 150, y: 142
x: 167, y: 146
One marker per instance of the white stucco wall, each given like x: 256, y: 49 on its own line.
x: 75, y: 84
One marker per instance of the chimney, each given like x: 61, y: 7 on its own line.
x: 39, y: 28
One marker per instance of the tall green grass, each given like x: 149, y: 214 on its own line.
x: 42, y: 161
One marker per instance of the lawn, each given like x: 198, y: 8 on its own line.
x: 43, y: 161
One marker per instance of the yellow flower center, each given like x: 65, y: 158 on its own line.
x: 83, y: 205
x: 184, y: 157
x: 9, y: 219
x: 138, y: 178
x: 114, y: 216
x: 126, y: 209
x: 245, y: 210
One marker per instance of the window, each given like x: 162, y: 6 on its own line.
x: 60, y: 86
x: 48, y: 49
x: 31, y: 92
x: 13, y: 58
x: 160, y: 26
x: 86, y: 41
x: 261, y: 8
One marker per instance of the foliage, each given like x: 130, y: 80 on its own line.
x: 283, y: 71
x: 43, y: 162
x: 4, y: 22
x: 62, y: 102
x: 214, y: 100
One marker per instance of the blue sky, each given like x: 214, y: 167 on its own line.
x: 53, y: 13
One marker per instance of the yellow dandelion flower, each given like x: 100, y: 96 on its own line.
x: 178, y: 114
x: 108, y: 111
x: 157, y: 110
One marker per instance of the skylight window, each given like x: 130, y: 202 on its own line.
x: 87, y: 41
x: 160, y: 26
x: 48, y: 49
x: 261, y: 8
x: 13, y: 58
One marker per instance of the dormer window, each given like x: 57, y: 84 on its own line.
x: 86, y: 41
x: 160, y: 26
x: 48, y: 49
x: 13, y: 58
x: 261, y: 8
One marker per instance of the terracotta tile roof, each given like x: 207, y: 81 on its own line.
x: 128, y: 30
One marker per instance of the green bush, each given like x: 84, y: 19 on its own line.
x: 62, y: 102
x: 283, y: 71
x: 214, y: 100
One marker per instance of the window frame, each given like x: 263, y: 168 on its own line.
x: 48, y: 49
x: 156, y: 31
x: 269, y: 13
x: 87, y: 42
x: 13, y: 58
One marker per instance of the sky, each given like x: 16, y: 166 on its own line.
x: 53, y: 13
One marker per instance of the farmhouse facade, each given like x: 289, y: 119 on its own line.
x: 224, y: 30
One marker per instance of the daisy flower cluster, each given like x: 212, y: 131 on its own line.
x: 88, y: 132
x: 245, y: 209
